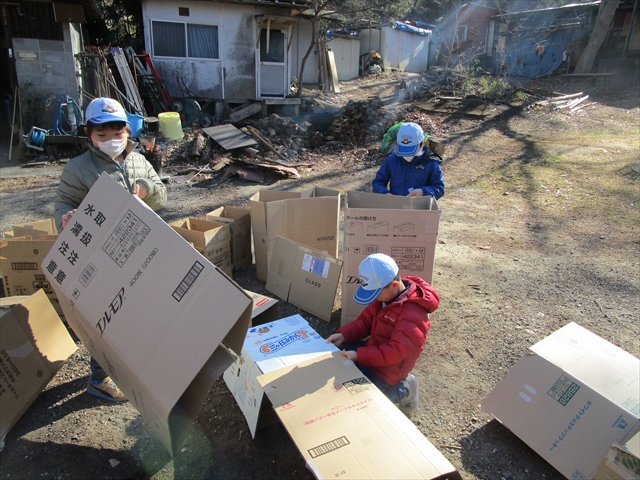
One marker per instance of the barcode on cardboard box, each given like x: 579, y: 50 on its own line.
x: 357, y: 385
x: 328, y: 447
x: 24, y: 266
x: 188, y: 280
x: 87, y: 274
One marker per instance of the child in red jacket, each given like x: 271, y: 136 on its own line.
x: 396, y: 320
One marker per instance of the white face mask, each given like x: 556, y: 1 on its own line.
x: 409, y: 159
x: 113, y: 148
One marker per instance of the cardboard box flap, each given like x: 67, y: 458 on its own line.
x: 51, y: 339
x: 36, y: 229
x: 357, y: 199
x: 35, y: 344
x: 201, y: 232
x: 591, y: 359
x: 344, y: 426
x: 304, y: 277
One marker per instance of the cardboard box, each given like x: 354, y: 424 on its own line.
x: 570, y: 397
x: 309, y: 217
x: 266, y: 348
x: 264, y: 309
x: 405, y: 228
x: 20, y: 259
x: 211, y: 239
x: 621, y: 463
x: 34, y: 345
x: 239, y: 221
x: 345, y: 427
x: 304, y: 277
x: 33, y: 229
x: 158, y: 317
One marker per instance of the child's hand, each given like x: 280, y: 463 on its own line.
x: 67, y: 217
x: 336, y: 339
x: 350, y: 354
x: 417, y: 192
x: 140, y: 191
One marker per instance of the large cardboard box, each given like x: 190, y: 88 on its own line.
x: 345, y: 427
x: 211, y: 239
x: 34, y: 345
x: 239, y: 221
x: 405, y: 228
x: 160, y: 319
x: 20, y: 259
x: 304, y: 277
x: 570, y: 397
x: 268, y: 347
x: 309, y: 217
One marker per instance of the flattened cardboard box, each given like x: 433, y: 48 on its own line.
x: 211, y: 239
x: 309, y: 217
x: 345, y: 427
x: 304, y: 277
x: 20, y: 259
x: 239, y: 221
x: 34, y: 345
x: 266, y: 348
x: 570, y: 398
x: 405, y: 228
x: 158, y: 317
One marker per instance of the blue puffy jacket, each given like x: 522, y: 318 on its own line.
x: 422, y: 172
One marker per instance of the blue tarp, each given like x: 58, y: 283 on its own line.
x: 412, y: 29
x: 536, y: 57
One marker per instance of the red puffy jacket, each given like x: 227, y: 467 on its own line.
x: 398, y: 332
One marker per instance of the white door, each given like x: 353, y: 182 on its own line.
x: 272, y: 75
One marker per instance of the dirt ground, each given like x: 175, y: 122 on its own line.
x: 539, y: 228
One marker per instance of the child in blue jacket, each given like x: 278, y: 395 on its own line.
x: 413, y: 170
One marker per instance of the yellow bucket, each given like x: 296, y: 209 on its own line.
x: 171, y: 126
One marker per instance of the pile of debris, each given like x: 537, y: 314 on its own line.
x: 360, y: 123
x: 567, y: 103
x: 288, y: 136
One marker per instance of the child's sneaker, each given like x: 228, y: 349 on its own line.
x: 105, y: 389
x: 410, y: 402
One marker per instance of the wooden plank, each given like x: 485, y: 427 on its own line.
x: 334, y: 71
x: 246, y: 111
x: 229, y: 137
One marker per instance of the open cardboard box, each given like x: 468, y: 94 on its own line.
x: 212, y: 239
x: 268, y: 347
x: 239, y: 221
x: 160, y: 319
x: 405, y: 228
x: 309, y: 217
x: 20, y: 259
x: 34, y: 345
x: 345, y: 427
x: 570, y: 397
x: 304, y: 277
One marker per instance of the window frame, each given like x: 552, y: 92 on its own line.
x: 185, y: 26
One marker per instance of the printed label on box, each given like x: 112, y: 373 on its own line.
x: 315, y: 265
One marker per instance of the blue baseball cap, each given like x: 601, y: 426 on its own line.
x: 410, y: 137
x: 376, y: 272
x: 104, y: 110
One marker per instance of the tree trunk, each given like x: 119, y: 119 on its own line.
x: 603, y: 22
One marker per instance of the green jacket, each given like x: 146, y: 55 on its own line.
x: 81, y: 173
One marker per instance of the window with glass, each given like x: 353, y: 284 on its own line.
x: 173, y: 39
